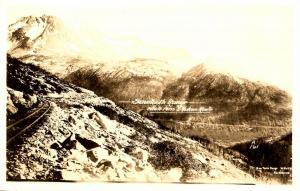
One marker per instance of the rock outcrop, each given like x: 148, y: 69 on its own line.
x: 17, y: 100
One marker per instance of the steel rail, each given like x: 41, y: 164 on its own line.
x: 24, y: 118
x: 9, y: 140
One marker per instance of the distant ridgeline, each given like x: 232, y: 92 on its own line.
x: 235, y: 101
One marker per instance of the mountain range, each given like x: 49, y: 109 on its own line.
x: 46, y: 42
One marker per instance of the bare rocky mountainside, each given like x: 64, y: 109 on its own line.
x: 84, y: 137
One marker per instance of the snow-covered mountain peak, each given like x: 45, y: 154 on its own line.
x: 33, y: 33
x: 31, y: 20
x: 33, y: 27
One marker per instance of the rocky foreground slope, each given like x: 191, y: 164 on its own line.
x: 85, y: 137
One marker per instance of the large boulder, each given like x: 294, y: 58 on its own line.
x: 20, y: 100
x: 10, y: 107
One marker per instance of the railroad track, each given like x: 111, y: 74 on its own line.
x: 19, y: 127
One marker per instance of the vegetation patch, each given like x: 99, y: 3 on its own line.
x: 261, y: 153
x: 167, y: 155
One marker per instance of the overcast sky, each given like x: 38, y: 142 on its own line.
x: 252, y: 39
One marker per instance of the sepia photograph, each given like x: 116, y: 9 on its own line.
x: 149, y: 92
